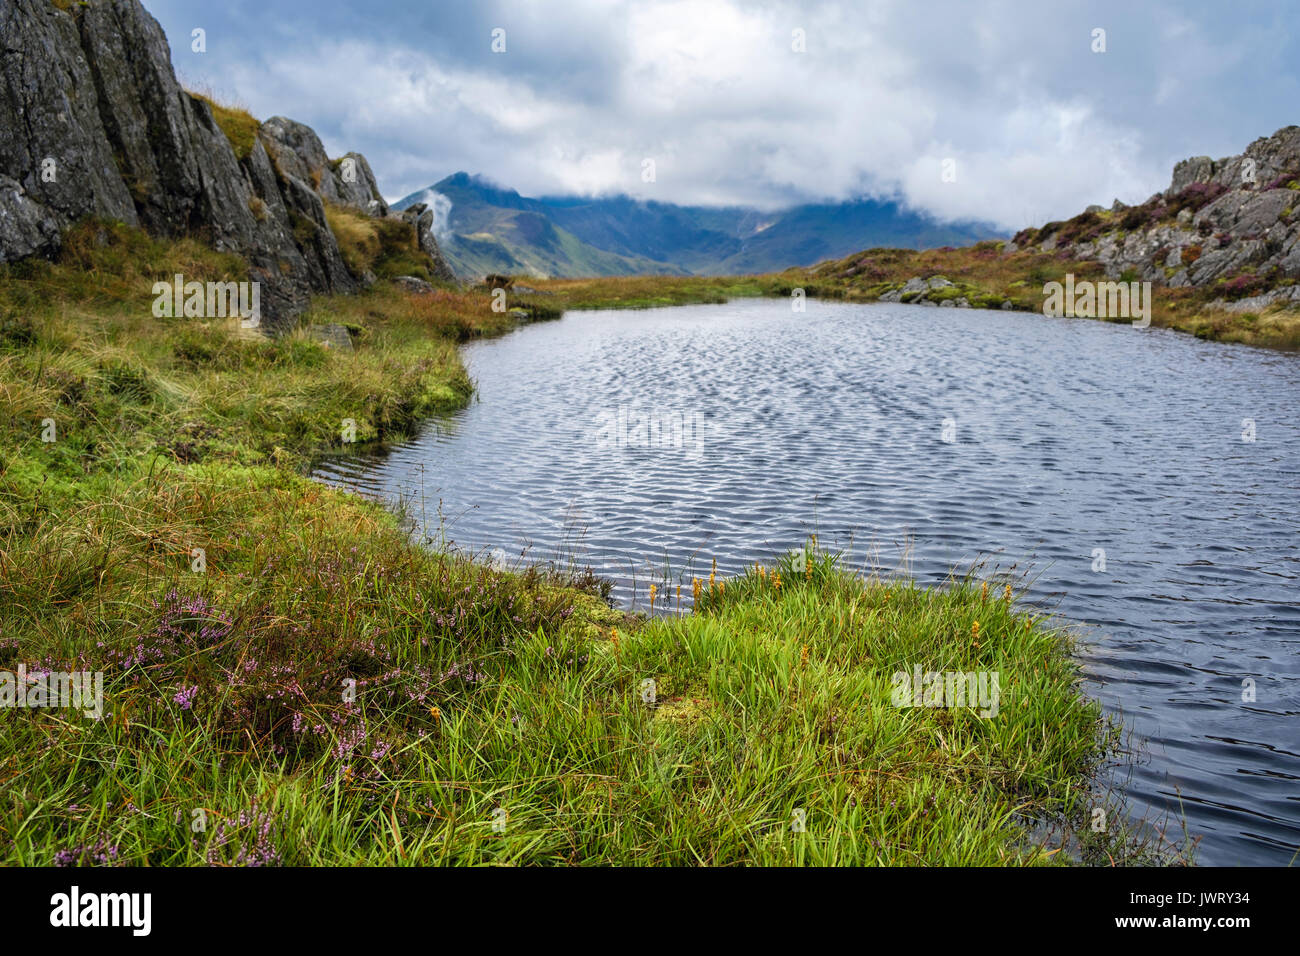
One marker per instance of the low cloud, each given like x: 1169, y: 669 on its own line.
x: 715, y: 93
x: 440, y: 205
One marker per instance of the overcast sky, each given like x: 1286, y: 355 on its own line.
x: 1036, y: 123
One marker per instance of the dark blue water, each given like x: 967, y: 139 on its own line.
x: 647, y: 443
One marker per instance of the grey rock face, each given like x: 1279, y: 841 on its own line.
x: 1198, y: 169
x: 94, y: 123
x: 1244, y: 226
x: 357, y: 185
x: 26, y: 228
x: 1225, y: 261
x: 170, y: 153
x: 320, y: 248
x: 52, y: 140
x: 1242, y: 213
x: 297, y: 151
x: 1265, y: 160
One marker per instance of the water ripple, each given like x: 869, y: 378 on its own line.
x: 1063, y: 437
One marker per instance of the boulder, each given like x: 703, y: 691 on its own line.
x: 1198, y: 169
x: 332, y: 337
x: 297, y: 151
x: 357, y: 186
x: 413, y: 284
x: 1225, y: 261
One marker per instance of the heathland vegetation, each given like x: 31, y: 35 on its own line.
x: 291, y: 678
x: 988, y: 275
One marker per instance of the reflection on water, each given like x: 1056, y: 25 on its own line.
x: 647, y: 443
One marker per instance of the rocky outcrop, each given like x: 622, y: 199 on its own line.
x: 420, y: 216
x: 52, y: 140
x: 94, y: 123
x: 298, y: 152
x: 944, y: 293
x: 1233, y: 222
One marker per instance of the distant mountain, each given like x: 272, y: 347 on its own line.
x: 484, y: 228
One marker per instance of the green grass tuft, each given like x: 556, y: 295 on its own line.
x: 498, y: 717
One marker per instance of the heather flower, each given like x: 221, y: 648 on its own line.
x: 247, y: 838
x: 185, y: 696
x: 99, y: 853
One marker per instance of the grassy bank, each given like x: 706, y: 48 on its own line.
x: 987, y: 277
x: 981, y: 274
x: 642, y: 292
x: 290, y: 680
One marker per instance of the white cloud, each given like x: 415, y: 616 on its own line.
x: 712, y: 91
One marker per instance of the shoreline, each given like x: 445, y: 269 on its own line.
x: 375, y: 702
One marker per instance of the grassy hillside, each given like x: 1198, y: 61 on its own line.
x: 519, y: 243
x: 318, y: 689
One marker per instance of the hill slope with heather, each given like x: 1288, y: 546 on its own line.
x: 1220, y: 247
